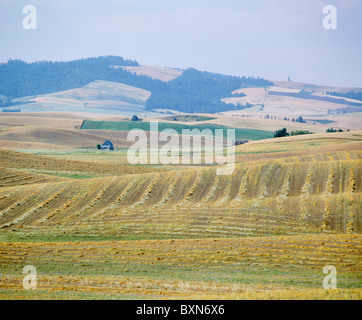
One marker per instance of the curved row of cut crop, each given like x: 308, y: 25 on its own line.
x: 352, y: 205
x: 27, y: 206
x: 171, y: 186
x: 13, y: 197
x: 328, y: 192
x: 325, y: 194
x: 307, y: 190
x: 108, y: 192
x: 211, y: 193
x: 121, y: 193
x: 285, y: 189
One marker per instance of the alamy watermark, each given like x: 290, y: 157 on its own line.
x: 330, y: 281
x: 30, y: 20
x: 30, y: 280
x: 330, y: 19
x: 190, y: 147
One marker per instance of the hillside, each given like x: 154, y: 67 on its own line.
x: 126, y: 126
x: 163, y: 74
x: 282, y: 101
x: 190, y: 90
x: 95, y: 97
x: 19, y: 160
x: 97, y: 227
x: 21, y: 79
x: 313, y: 87
x: 113, y: 85
x: 69, y: 139
x: 102, y: 230
x: 270, y: 197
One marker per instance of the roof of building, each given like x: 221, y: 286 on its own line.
x: 107, y: 143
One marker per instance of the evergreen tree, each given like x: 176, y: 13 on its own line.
x: 281, y: 133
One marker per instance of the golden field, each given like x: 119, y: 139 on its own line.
x: 96, y: 228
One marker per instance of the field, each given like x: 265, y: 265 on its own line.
x: 251, y: 134
x: 163, y: 74
x: 96, y: 227
x: 292, y: 99
x: 187, y: 118
x: 242, y: 268
x: 96, y: 97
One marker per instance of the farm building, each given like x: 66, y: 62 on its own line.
x: 107, y: 145
x: 238, y: 142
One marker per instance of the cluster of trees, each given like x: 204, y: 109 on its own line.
x: 269, y: 117
x: 11, y: 110
x: 135, y: 118
x: 284, y: 133
x: 300, y: 132
x: 299, y: 119
x: 335, y: 130
x: 281, y: 133
x: 350, y: 94
x: 239, y: 94
x: 200, y: 92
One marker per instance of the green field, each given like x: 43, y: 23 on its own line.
x: 188, y: 118
x: 249, y: 134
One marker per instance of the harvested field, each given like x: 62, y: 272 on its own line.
x: 98, y: 230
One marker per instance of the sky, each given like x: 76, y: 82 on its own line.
x: 272, y: 39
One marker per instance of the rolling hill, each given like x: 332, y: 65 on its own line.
x: 96, y: 227
x: 281, y: 101
x: 113, y: 85
x: 264, y: 232
x: 95, y: 97
x: 160, y: 73
x: 308, y: 193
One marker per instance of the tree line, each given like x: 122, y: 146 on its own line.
x: 349, y: 94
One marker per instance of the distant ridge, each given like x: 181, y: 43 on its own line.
x: 191, y: 91
x: 123, y: 86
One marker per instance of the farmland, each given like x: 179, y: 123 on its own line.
x: 163, y: 74
x: 233, y: 268
x: 251, y: 134
x: 121, y: 232
x: 96, y: 227
x: 97, y: 96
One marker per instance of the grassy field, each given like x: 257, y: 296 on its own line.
x: 250, y: 134
x: 19, y: 160
x: 280, y: 148
x: 97, y: 96
x: 96, y: 228
x: 187, y: 118
x: 233, y: 268
x: 292, y: 99
x: 163, y: 74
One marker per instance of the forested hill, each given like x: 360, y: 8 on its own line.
x: 21, y: 79
x: 200, y: 90
x: 192, y: 92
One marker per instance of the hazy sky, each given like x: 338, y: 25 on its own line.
x: 267, y: 38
